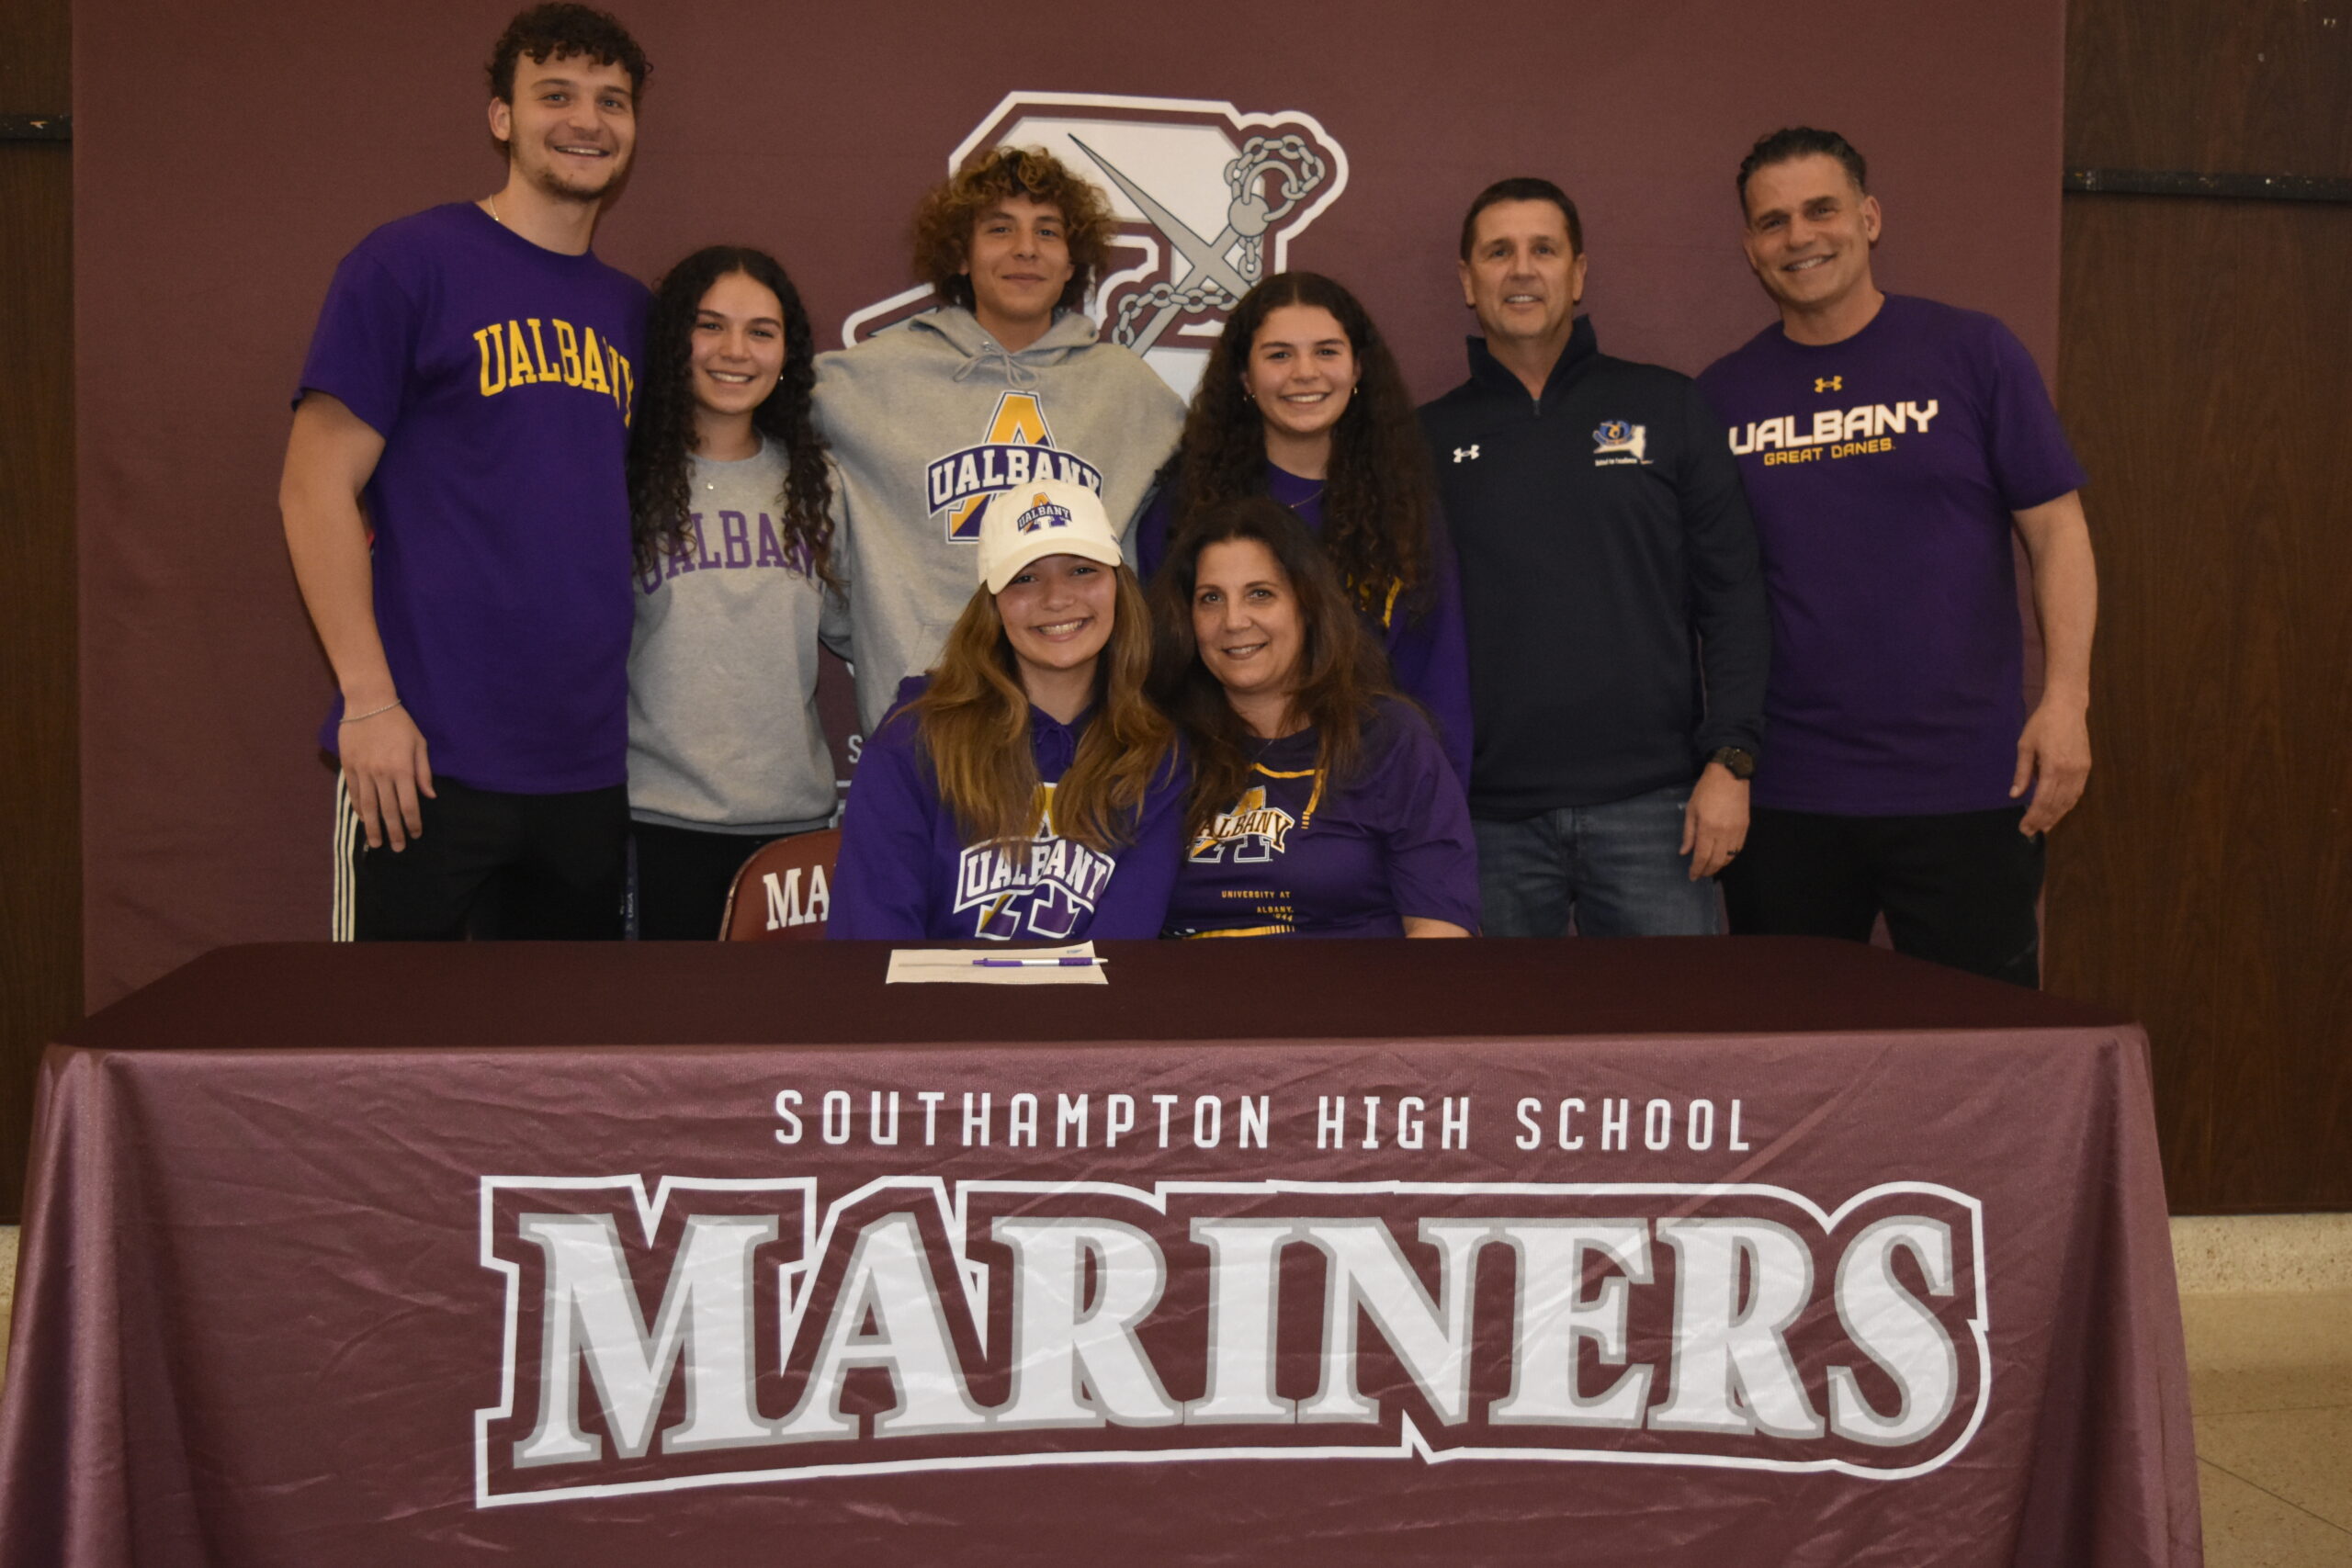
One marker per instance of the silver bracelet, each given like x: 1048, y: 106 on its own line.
x: 372, y: 712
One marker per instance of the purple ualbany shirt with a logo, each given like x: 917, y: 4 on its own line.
x: 1298, y: 855
x: 1883, y: 472
x: 905, y: 873
x: 501, y: 377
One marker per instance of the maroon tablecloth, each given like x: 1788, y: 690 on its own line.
x: 1707, y: 1252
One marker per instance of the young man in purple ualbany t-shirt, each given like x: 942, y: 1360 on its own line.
x: 456, y: 509
x: 1890, y: 446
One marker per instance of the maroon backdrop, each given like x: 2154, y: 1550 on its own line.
x: 223, y: 166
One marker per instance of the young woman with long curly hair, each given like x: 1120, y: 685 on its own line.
x: 1321, y: 805
x: 1026, y: 787
x: 730, y: 496
x: 1302, y: 401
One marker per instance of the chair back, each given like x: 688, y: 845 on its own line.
x: 784, y: 891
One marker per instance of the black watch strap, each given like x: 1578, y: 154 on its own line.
x: 1737, y: 762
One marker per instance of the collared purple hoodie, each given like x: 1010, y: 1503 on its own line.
x: 905, y: 873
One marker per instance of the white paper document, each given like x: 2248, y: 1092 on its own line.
x: 1074, y: 966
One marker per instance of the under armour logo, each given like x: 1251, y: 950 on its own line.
x: 1462, y: 454
x: 1829, y: 383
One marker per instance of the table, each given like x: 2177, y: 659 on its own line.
x: 1710, y: 1251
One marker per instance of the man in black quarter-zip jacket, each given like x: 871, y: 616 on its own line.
x: 1617, y: 622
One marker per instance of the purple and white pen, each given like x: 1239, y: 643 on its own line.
x: 1035, y: 963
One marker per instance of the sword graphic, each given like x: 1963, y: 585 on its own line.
x: 1207, y: 257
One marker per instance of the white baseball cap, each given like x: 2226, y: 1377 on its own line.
x: 1051, y: 517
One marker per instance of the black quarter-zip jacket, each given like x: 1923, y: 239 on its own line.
x: 1617, y: 622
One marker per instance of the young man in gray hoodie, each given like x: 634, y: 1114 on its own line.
x: 1004, y: 383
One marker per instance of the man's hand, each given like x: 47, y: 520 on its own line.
x: 2055, y: 749
x: 2055, y: 745
x: 384, y: 767
x: 1714, y: 825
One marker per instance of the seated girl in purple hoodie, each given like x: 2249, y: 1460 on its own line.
x: 1025, y: 788
x: 1322, y: 803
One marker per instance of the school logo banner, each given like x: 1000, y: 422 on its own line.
x: 673, y: 1332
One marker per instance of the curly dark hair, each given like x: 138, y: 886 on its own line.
x: 661, y: 434
x: 1803, y: 142
x: 552, y: 31
x: 942, y: 227
x: 1341, y: 677
x: 1376, y: 503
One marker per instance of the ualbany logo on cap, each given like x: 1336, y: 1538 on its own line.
x: 1619, y: 441
x: 1043, y: 514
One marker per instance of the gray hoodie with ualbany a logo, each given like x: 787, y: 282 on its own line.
x: 929, y: 420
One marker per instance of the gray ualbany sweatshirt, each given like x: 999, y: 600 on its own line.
x: 723, y: 734
x: 929, y: 420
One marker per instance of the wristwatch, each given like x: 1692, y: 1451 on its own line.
x: 1738, y: 763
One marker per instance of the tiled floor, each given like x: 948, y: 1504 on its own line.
x: 2270, y: 1379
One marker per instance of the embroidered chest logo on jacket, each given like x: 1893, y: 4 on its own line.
x: 1041, y: 888
x: 1616, y: 443
x: 1017, y: 449
x: 1252, y: 829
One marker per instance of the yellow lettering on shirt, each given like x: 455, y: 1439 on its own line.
x: 518, y: 358
x: 592, y: 356
x: 566, y: 349
x: 511, y: 356
x: 491, y: 342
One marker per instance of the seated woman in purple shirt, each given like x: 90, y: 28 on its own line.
x: 1302, y: 401
x: 1025, y: 788
x: 1321, y: 803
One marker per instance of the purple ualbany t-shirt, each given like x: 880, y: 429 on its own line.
x: 905, y: 873
x: 1298, y: 855
x: 501, y: 377
x: 1882, y: 471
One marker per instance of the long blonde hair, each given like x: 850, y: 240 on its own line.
x: 974, y: 721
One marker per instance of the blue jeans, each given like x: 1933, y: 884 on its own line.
x: 1617, y: 869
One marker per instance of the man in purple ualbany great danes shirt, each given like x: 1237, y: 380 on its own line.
x: 1890, y: 447
x: 457, y: 507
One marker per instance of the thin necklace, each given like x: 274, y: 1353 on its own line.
x: 494, y: 218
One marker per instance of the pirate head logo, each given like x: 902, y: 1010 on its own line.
x: 1206, y: 199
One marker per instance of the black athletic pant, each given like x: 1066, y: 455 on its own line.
x: 683, y: 875
x: 489, y: 866
x: 1959, y: 889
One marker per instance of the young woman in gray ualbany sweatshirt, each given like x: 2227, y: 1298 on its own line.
x: 731, y: 507
x: 1002, y: 384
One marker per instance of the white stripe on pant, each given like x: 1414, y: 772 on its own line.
x: 342, y: 917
